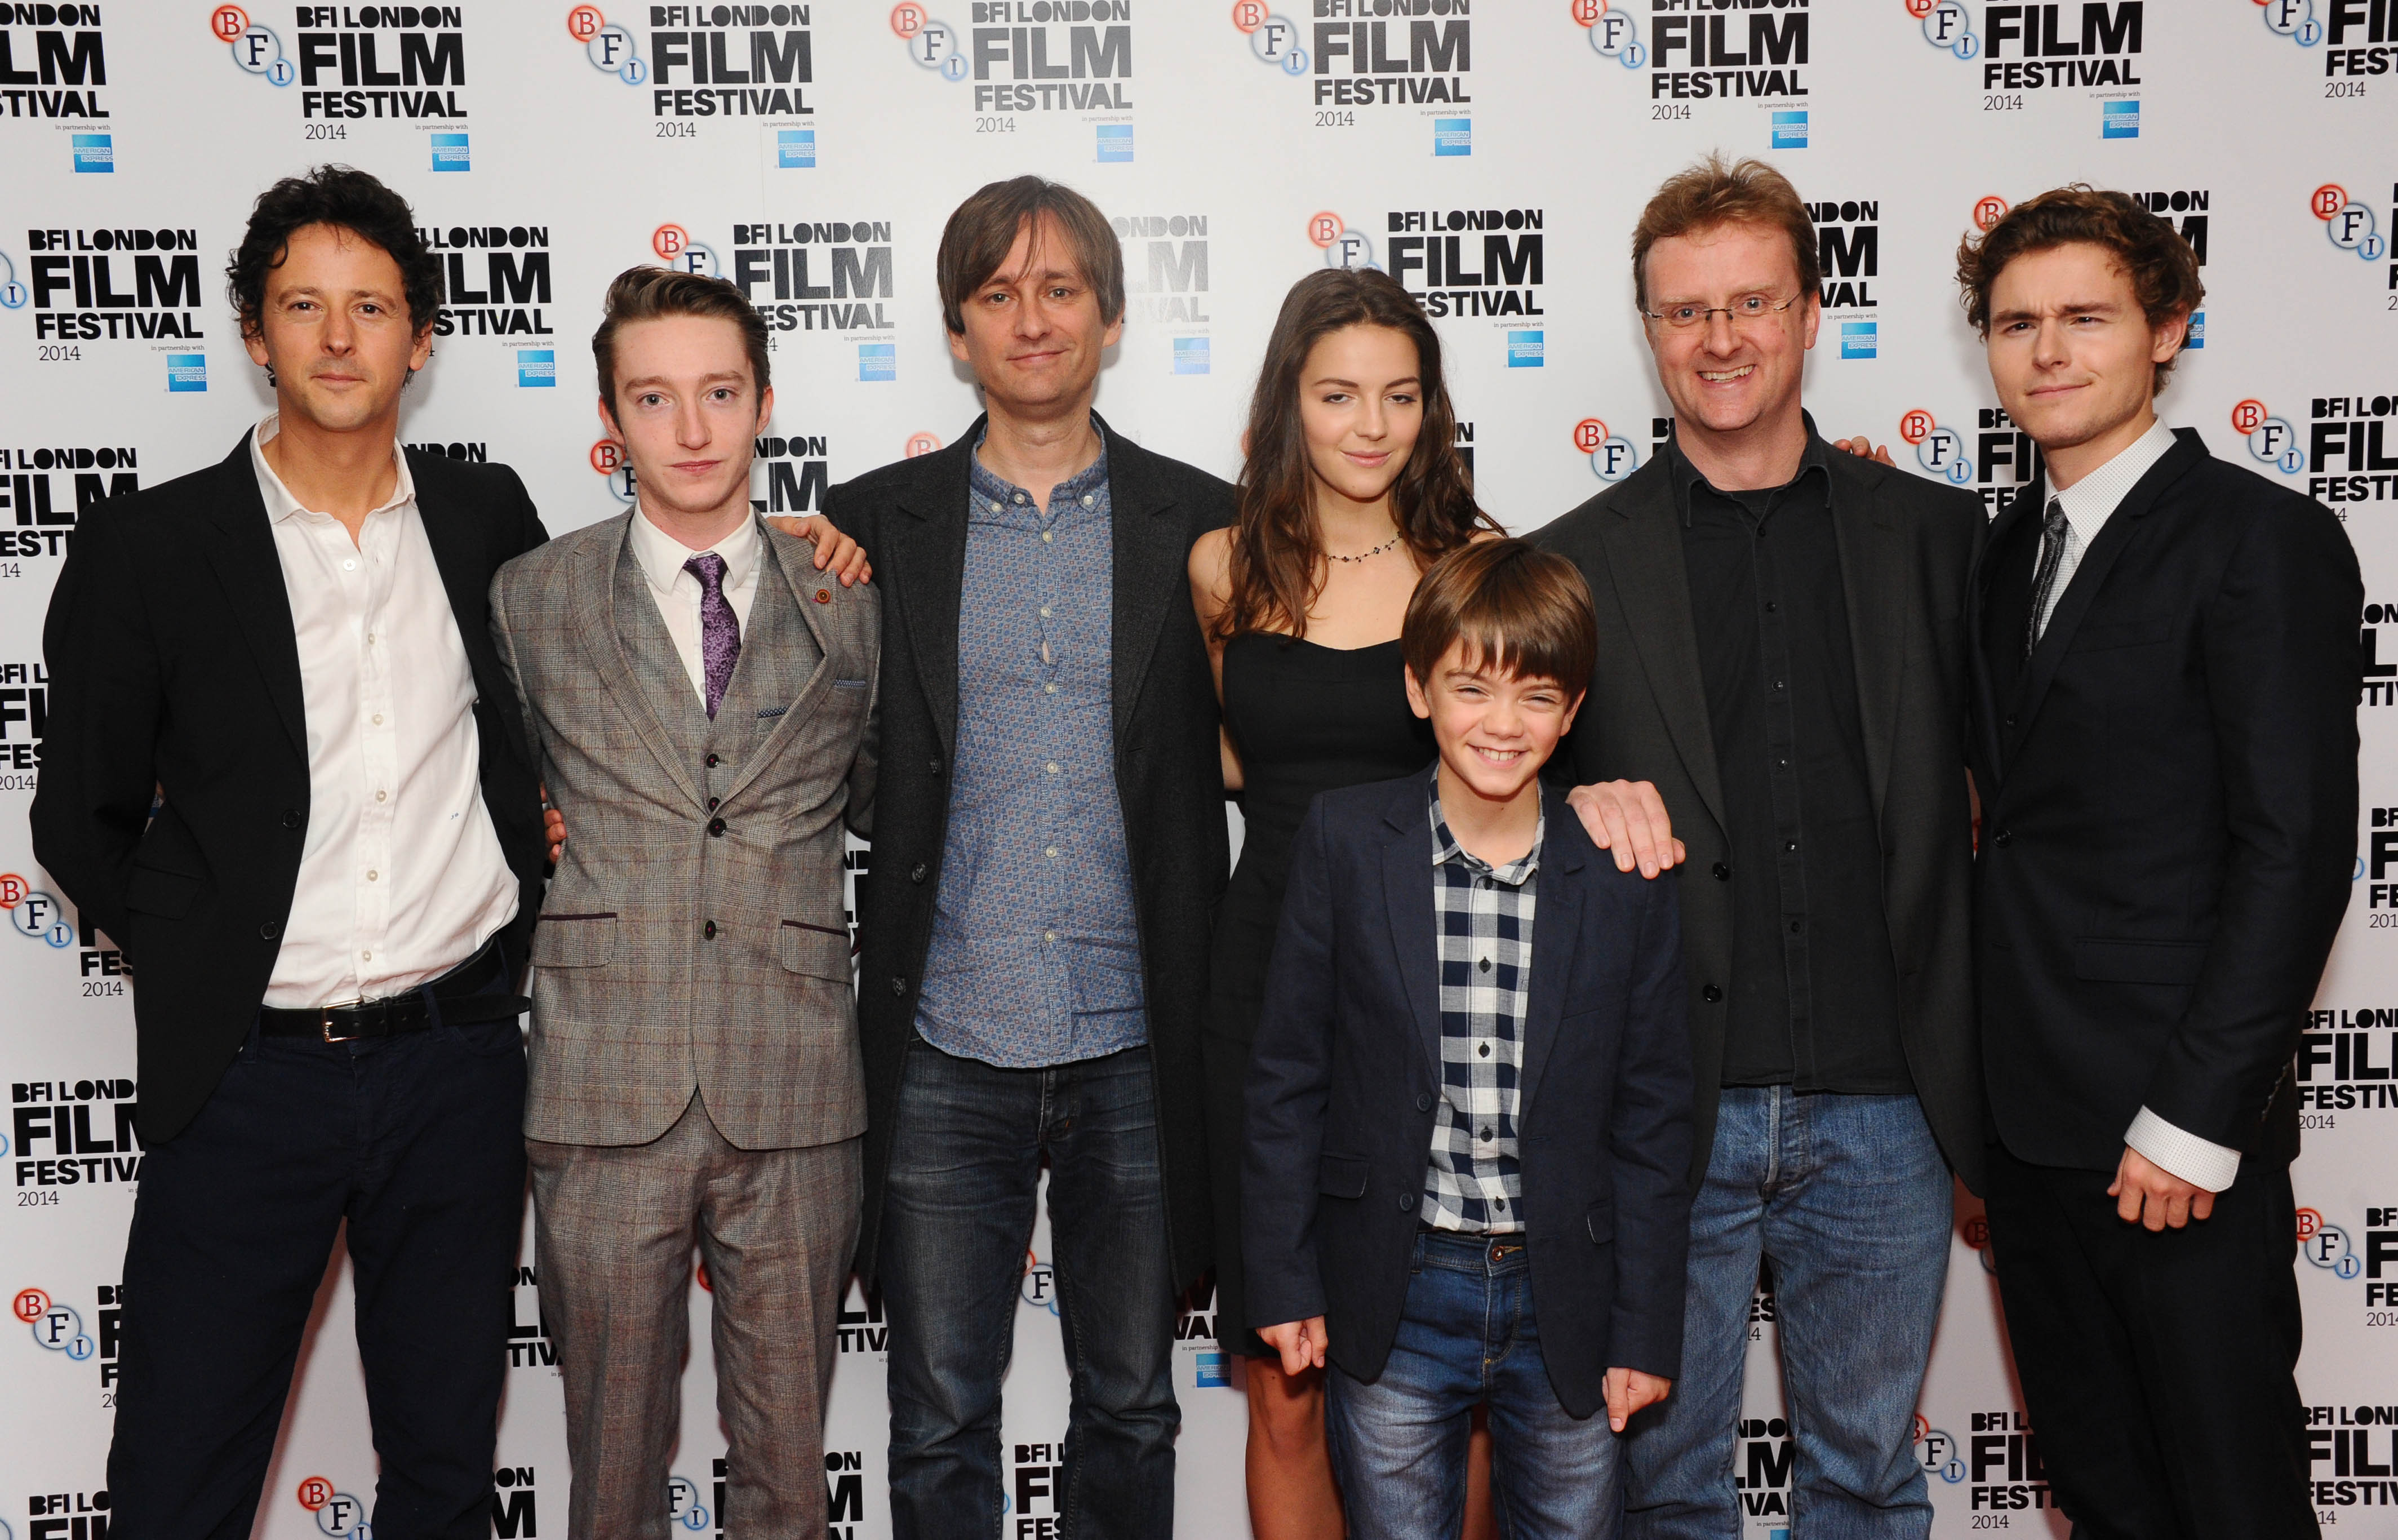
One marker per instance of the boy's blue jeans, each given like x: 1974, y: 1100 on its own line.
x: 1468, y: 1336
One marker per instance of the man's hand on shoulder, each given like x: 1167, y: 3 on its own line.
x: 834, y: 549
x: 1865, y: 448
x: 1628, y: 818
x: 2145, y: 1192
x: 1628, y: 1390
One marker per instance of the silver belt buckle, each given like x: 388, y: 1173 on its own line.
x: 325, y: 1019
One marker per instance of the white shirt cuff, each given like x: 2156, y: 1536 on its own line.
x: 2197, y: 1161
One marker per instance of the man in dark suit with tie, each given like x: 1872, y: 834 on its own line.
x: 2165, y: 675
x: 1049, y: 843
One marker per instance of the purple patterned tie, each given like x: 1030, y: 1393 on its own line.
x: 720, y: 630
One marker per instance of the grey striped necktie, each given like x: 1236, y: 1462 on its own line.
x: 2054, y: 531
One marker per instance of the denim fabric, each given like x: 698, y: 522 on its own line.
x: 1035, y: 957
x: 1468, y: 1336
x: 1849, y: 1198
x: 958, y: 1210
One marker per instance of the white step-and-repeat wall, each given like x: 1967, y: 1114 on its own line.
x: 1491, y: 153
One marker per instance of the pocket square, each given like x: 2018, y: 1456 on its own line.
x: 849, y: 684
x: 771, y: 710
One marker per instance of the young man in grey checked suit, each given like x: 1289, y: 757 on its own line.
x: 702, y: 702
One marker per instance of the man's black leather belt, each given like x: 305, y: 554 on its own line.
x: 458, y: 990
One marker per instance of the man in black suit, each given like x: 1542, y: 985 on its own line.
x: 1049, y: 845
x: 2165, y: 676
x: 1780, y: 652
x: 329, y: 897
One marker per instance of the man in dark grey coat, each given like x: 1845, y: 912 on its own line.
x: 1050, y: 842
x: 1782, y: 651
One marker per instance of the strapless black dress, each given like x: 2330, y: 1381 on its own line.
x: 1306, y: 720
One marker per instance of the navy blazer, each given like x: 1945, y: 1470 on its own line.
x: 1346, y: 1070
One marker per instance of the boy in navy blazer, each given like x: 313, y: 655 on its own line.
x: 1446, y: 1120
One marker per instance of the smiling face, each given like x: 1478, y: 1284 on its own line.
x: 688, y: 411
x: 1495, y: 730
x: 335, y: 329
x: 1034, y: 334
x: 1728, y: 379
x: 2074, y: 356
x: 1361, y: 406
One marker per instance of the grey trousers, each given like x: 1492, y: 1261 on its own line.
x: 613, y: 1231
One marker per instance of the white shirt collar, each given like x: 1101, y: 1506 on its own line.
x: 281, y: 505
x: 662, y: 556
x: 2089, y: 502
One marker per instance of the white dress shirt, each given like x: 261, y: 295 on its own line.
x: 401, y: 874
x: 2088, y: 504
x: 678, y: 592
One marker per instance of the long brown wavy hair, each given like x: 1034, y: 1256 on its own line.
x: 1277, y: 552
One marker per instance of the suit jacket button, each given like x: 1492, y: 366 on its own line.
x: 269, y: 931
x: 934, y: 765
x: 1711, y: 994
x: 716, y: 826
x: 916, y: 872
x: 2003, y: 839
x: 291, y: 818
x: 713, y: 762
x: 898, y: 985
x: 708, y: 930
x: 2011, y: 722
x: 1423, y: 1101
x: 1723, y: 872
x: 711, y: 804
x: 1407, y: 1203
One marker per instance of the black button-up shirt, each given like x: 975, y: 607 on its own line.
x: 1814, y: 991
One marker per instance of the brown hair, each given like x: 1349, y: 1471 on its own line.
x: 1276, y: 566
x: 1711, y: 194
x: 2163, y: 269
x: 651, y: 293
x: 1517, y: 609
x: 984, y: 228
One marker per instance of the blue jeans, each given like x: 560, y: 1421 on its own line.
x: 1468, y: 1336
x: 1848, y: 1197
x: 957, y: 1217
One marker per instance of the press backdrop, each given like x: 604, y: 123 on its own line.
x: 1491, y: 153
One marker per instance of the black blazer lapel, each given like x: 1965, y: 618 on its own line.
x: 1151, y: 556
x: 1556, y: 928
x: 2122, y: 527
x: 463, y: 559
x: 1873, y: 565
x: 1644, y: 556
x: 1977, y: 600
x: 251, y: 572
x: 928, y: 559
x: 1407, y: 894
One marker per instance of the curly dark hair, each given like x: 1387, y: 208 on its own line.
x: 341, y: 195
x: 2162, y: 267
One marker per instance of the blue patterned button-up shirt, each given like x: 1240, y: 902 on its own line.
x: 1035, y: 956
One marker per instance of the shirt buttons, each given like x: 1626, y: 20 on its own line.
x: 1052, y: 852
x: 1484, y: 1050
x: 1486, y: 965
x: 1088, y: 499
x: 381, y: 796
x: 349, y: 564
x: 1045, y: 612
x: 366, y: 956
x: 372, y: 875
x: 1048, y: 935
x: 1047, y: 539
x: 376, y: 719
x: 1486, y: 1136
x: 1051, y: 767
x: 1019, y: 497
x: 1049, y: 689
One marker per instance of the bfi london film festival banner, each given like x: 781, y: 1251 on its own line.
x: 1491, y: 154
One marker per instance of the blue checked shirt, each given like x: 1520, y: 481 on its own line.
x: 1035, y: 956
x: 1475, y: 1182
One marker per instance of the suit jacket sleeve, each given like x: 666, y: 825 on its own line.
x: 1288, y: 1093
x: 2282, y: 665
x: 106, y: 706
x: 1649, y: 1134
x: 864, y: 770
x: 503, y: 640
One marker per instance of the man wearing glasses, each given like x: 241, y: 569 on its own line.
x: 1782, y: 653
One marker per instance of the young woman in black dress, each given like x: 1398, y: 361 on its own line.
x: 1353, y: 487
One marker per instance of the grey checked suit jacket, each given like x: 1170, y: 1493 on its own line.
x: 694, y: 935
